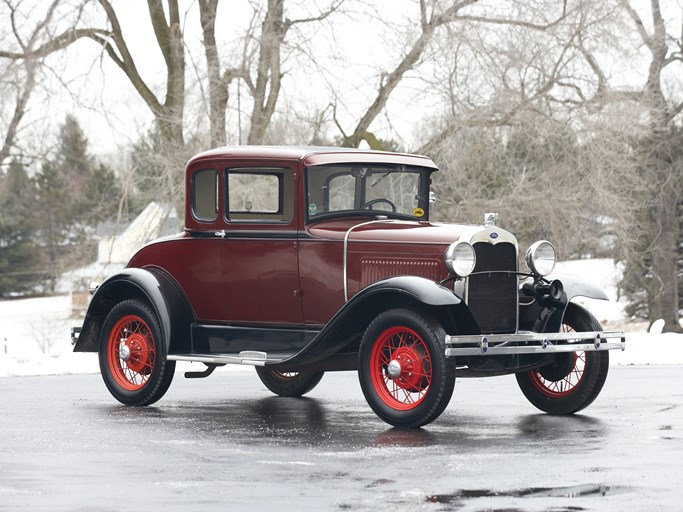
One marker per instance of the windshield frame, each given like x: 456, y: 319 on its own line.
x: 361, y: 187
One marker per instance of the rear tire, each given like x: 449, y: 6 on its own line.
x: 289, y: 384
x: 575, y: 380
x: 403, y: 370
x: 133, y: 355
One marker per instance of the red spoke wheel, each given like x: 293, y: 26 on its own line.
x: 290, y: 384
x: 131, y: 352
x: 574, y: 380
x: 559, y: 386
x: 132, y: 355
x: 403, y: 370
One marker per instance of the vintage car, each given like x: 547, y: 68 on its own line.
x: 301, y: 261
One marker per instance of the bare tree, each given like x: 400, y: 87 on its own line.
x: 258, y: 64
x: 432, y: 17
x: 655, y: 151
x: 169, y: 110
x: 34, y: 39
x: 218, y: 80
x: 623, y: 184
x: 663, y: 162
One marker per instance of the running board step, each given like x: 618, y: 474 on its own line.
x: 248, y: 357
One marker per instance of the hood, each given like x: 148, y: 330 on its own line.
x: 392, y: 231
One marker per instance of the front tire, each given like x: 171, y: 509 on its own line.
x: 403, y: 370
x: 133, y: 356
x: 575, y: 380
x: 289, y: 384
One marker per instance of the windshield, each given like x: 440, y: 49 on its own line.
x: 352, y: 189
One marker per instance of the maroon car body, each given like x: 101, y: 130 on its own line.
x: 305, y: 260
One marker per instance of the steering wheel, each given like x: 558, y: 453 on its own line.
x: 379, y: 200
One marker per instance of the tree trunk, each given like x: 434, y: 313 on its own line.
x: 661, y: 161
x: 269, y: 75
x: 665, y: 300
x: 169, y: 115
x: 218, y: 86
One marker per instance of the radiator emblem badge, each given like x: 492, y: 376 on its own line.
x: 494, y: 235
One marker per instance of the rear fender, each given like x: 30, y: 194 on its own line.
x: 154, y: 287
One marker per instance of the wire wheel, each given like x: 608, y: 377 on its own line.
x: 131, y: 352
x: 574, y: 379
x: 284, y: 376
x: 401, y: 369
x: 133, y: 356
x: 290, y: 384
x: 566, y: 385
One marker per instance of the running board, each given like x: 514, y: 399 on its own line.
x: 247, y: 357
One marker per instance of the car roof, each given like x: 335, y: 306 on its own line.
x: 312, y: 155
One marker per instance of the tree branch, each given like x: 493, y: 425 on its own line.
x: 162, y: 30
x: 512, y: 23
x: 59, y: 43
x: 334, y: 7
x: 640, y: 26
x: 123, y: 59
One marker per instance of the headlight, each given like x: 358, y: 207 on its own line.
x: 460, y: 259
x: 541, y: 257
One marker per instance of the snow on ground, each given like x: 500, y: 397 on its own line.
x: 35, y: 333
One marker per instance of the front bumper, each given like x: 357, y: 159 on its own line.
x: 533, y: 343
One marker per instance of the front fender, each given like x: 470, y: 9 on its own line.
x: 154, y: 287
x: 549, y: 319
x: 576, y: 286
x: 347, y: 326
x: 419, y: 288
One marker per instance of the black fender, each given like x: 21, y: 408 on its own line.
x: 549, y: 318
x: 575, y: 286
x: 346, y: 327
x: 151, y: 285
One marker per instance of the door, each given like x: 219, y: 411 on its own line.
x: 259, y: 251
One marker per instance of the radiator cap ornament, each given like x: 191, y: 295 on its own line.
x: 490, y: 219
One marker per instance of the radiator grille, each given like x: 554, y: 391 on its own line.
x: 376, y: 269
x: 492, y: 297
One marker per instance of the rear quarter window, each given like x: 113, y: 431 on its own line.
x: 205, y: 195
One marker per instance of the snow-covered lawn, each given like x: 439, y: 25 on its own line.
x: 35, y: 333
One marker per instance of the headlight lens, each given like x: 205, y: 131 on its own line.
x: 460, y: 259
x: 541, y: 257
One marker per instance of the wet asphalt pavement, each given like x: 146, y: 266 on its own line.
x: 225, y: 443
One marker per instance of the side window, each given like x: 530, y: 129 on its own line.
x: 260, y: 194
x: 205, y: 195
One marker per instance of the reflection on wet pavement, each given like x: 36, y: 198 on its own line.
x: 575, y: 491
x: 220, y: 444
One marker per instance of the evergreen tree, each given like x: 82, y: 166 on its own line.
x: 72, y: 161
x: 148, y: 169
x: 92, y: 193
x: 20, y: 258
x: 74, y: 168
x: 101, y: 197
x: 55, y: 217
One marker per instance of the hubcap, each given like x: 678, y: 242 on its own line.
x: 394, y: 369
x: 124, y: 351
